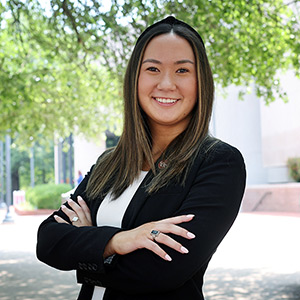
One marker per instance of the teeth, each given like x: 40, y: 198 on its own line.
x: 164, y: 100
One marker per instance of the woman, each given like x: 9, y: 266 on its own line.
x: 147, y: 218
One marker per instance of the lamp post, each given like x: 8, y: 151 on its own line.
x: 2, y: 204
x: 32, y: 166
x: 8, y: 217
x: 70, y: 158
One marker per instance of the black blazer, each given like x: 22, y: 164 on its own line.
x: 213, y: 191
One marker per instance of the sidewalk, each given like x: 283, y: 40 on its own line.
x: 22, y: 276
x: 258, y: 260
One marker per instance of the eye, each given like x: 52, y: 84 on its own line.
x: 152, y: 69
x: 182, y: 70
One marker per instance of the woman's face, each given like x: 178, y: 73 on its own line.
x: 167, y: 84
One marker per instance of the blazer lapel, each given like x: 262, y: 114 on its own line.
x: 136, y: 202
x: 139, y: 198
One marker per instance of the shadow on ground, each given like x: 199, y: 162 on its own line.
x: 22, y: 276
x: 250, y: 284
x: 258, y: 260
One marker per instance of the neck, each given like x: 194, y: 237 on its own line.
x: 161, y: 138
x: 160, y: 141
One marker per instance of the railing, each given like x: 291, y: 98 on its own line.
x: 264, y: 196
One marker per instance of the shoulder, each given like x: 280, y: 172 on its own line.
x: 221, y: 165
x: 213, y: 147
x: 215, y: 151
x: 221, y: 149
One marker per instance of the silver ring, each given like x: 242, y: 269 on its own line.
x: 154, y: 234
x: 75, y: 219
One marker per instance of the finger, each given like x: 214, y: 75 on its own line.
x: 152, y: 246
x: 78, y: 210
x: 168, y: 241
x: 178, y: 219
x: 69, y: 212
x: 174, y: 229
x: 85, y: 208
x: 58, y: 219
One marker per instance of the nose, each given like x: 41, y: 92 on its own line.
x: 166, y: 82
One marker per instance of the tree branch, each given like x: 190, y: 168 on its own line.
x: 68, y: 13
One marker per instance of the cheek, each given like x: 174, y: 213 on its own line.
x: 192, y: 91
x: 189, y: 88
x: 141, y: 91
x: 145, y: 85
x: 141, y: 85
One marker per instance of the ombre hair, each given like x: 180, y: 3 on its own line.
x: 117, y: 169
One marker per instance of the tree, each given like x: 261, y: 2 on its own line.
x: 20, y: 164
x: 62, y: 64
x: 47, y: 83
x: 19, y: 160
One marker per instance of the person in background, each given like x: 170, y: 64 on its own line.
x: 79, y: 178
x: 147, y: 218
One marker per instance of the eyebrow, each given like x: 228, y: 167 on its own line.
x: 178, y: 62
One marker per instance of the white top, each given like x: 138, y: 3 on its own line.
x: 111, y: 212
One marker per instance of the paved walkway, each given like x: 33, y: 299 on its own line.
x: 258, y: 260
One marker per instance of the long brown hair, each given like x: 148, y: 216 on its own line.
x: 119, y: 167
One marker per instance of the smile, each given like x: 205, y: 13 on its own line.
x: 165, y: 100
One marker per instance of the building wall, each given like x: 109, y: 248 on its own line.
x: 267, y: 135
x: 281, y: 130
x: 86, y: 154
x: 238, y: 123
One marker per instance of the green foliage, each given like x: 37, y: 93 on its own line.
x: 61, y: 65
x: 46, y: 195
x: 253, y: 43
x: 19, y: 167
x: 43, y: 163
x: 294, y: 168
x: 48, y: 83
x: 25, y: 206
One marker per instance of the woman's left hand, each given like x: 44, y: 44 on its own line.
x: 79, y: 215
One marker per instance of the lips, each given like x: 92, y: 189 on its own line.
x: 165, y: 100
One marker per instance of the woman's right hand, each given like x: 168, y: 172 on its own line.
x: 128, y: 241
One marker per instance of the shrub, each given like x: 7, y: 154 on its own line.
x: 294, y: 168
x: 46, y: 195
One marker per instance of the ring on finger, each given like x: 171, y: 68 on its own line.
x: 75, y: 219
x: 154, y: 233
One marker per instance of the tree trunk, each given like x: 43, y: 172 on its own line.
x: 15, y: 179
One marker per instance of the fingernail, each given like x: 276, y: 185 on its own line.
x: 168, y: 258
x: 184, y: 250
x: 190, y: 235
x: 63, y: 206
x: 190, y: 216
x: 79, y: 198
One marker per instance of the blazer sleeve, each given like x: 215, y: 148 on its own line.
x: 68, y: 247
x: 214, y: 197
